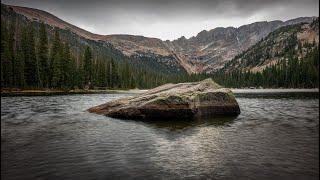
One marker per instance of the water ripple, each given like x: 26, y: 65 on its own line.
x: 53, y: 137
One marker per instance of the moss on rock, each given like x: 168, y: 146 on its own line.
x: 183, y: 100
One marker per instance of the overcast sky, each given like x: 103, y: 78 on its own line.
x: 169, y: 19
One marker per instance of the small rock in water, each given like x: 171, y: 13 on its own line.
x: 174, y: 101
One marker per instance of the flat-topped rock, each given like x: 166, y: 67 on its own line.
x: 174, y: 101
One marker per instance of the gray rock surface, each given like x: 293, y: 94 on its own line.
x: 174, y: 101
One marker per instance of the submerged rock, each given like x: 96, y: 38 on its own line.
x: 174, y: 101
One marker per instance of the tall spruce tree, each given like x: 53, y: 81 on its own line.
x: 19, y: 80
x: 6, y: 64
x: 31, y: 63
x: 114, y: 75
x: 87, y: 58
x: 55, y: 61
x: 57, y: 73
x: 66, y: 66
x: 43, y: 51
x: 11, y: 53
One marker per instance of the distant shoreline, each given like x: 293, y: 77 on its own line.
x: 35, y: 92
x: 276, y: 90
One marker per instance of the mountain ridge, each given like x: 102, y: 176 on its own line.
x: 290, y: 41
x: 208, y: 51
x: 22, y: 9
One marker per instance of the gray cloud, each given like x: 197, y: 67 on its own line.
x: 169, y: 19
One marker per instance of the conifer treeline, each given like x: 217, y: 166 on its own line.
x: 30, y: 60
x: 287, y: 73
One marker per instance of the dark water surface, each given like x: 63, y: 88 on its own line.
x: 276, y: 136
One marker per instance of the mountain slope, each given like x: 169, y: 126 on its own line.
x: 43, y: 16
x: 212, y: 49
x: 79, y: 38
x: 206, y: 52
x: 293, y: 40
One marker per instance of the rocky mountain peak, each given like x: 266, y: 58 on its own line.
x: 206, y: 52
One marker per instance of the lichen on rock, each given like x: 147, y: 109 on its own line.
x: 174, y: 101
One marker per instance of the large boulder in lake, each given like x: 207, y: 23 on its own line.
x: 174, y: 101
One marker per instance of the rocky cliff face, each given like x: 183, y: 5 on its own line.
x: 210, y: 50
x: 206, y: 52
x: 290, y: 41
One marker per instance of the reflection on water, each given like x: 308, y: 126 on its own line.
x: 54, y: 137
x: 178, y: 125
x: 278, y: 94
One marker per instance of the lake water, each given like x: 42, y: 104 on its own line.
x: 276, y: 136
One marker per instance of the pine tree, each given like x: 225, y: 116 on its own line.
x: 114, y: 76
x: 31, y: 63
x: 87, y: 58
x: 7, y: 55
x: 20, y: 79
x: 66, y: 66
x: 55, y: 61
x: 56, y: 71
x: 6, y: 72
x: 73, y: 72
x: 43, y: 56
x: 11, y: 53
x: 23, y: 52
